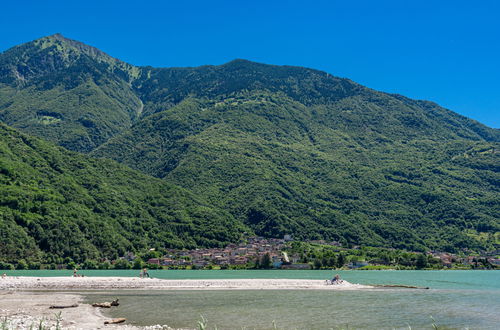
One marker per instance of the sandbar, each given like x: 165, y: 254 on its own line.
x: 110, y: 283
x: 25, y: 301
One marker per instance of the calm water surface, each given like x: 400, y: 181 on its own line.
x: 299, y: 309
x: 456, y: 300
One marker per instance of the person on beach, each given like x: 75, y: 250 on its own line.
x: 74, y: 272
x: 336, y: 279
x: 144, y: 273
x: 4, y: 275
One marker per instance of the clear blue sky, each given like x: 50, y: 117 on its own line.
x: 444, y: 51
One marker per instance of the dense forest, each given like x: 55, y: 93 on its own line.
x: 239, y: 147
x: 58, y: 206
x: 264, y: 159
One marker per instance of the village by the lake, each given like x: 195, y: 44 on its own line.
x: 258, y: 252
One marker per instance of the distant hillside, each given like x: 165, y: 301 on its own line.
x: 78, y: 97
x: 66, y: 92
x: 57, y: 205
x: 280, y: 149
x: 279, y: 167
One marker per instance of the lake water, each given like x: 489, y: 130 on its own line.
x: 455, y: 300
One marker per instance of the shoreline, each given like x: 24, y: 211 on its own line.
x: 110, y: 283
x: 25, y: 301
x: 21, y: 310
x: 26, y: 310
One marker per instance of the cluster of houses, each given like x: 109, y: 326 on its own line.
x: 234, y: 254
x: 448, y: 259
x: 255, y: 248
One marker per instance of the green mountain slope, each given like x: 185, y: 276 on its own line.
x: 56, y: 204
x: 66, y: 92
x: 280, y: 149
x: 279, y: 167
x: 341, y: 102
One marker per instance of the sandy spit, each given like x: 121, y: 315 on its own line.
x: 25, y: 301
x: 109, y: 283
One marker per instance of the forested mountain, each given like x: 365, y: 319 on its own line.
x: 273, y: 149
x: 279, y: 167
x: 56, y: 204
x: 66, y: 92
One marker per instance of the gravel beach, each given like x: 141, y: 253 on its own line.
x: 109, y: 283
x: 29, y: 310
x: 25, y: 301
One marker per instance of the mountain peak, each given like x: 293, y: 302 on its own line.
x: 56, y: 36
x: 53, y: 53
x: 241, y: 61
x: 64, y: 44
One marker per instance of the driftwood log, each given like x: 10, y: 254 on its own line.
x: 115, y: 321
x: 107, y: 304
x: 61, y: 307
x: 399, y: 286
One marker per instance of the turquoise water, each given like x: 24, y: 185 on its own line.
x: 440, y: 279
x: 301, y: 309
x: 456, y: 300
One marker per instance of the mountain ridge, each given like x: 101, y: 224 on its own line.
x: 142, y: 98
x: 75, y: 96
x: 281, y: 149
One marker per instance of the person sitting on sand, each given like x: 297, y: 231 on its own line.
x: 4, y: 275
x: 336, y: 279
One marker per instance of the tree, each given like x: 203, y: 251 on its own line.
x: 90, y: 264
x: 421, y: 261
x: 329, y: 261
x: 71, y: 265
x: 22, y: 265
x: 34, y: 265
x: 265, y: 262
x: 154, y: 266
x: 138, y: 264
x: 105, y: 265
x: 340, y: 260
x: 6, y: 265
x: 257, y: 263
x: 122, y: 264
